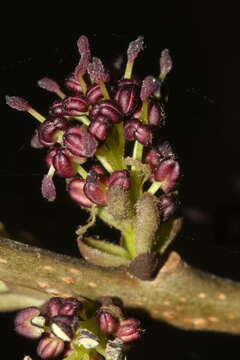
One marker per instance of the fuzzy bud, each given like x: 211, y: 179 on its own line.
x: 48, y: 189
x: 49, y: 85
x: 148, y: 87
x: 134, y: 48
x: 97, y: 71
x: 165, y: 63
x: 119, y: 205
x: 167, y: 205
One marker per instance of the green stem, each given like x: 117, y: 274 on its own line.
x: 128, y: 70
x: 156, y: 185
x: 84, y: 119
x: 81, y: 171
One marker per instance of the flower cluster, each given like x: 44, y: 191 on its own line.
x: 65, y: 328
x: 95, y: 120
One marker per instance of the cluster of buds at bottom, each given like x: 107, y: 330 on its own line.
x: 103, y: 137
x: 64, y: 326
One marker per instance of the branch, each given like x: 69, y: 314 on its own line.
x: 180, y: 295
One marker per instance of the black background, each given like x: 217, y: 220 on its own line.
x: 203, y: 125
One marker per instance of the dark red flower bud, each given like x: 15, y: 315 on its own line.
x: 109, y: 109
x: 131, y: 128
x: 80, y: 142
x: 94, y: 94
x: 153, y: 158
x: 100, y: 128
x: 95, y: 188
x: 107, y: 322
x: 136, y: 130
x: 23, y: 324
x: 127, y: 97
x: 52, y: 307
x: 75, y: 105
x: 120, y: 178
x: 71, y: 306
x: 167, y: 206
x: 168, y: 172
x: 73, y: 85
x: 56, y: 109
x: 75, y: 189
x: 63, y: 164
x: 50, y: 347
x: 129, y: 330
x: 156, y: 113
x: 48, y: 129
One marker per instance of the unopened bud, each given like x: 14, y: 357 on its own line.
x: 50, y: 347
x: 168, y: 172
x: 95, y: 189
x: 94, y: 94
x: 107, y: 322
x: 48, y: 129
x: 167, y: 205
x: 75, y: 105
x: 56, y: 109
x: 156, y: 113
x: 129, y: 330
x: 100, y: 128
x: 109, y: 109
x: 24, y: 325
x: 63, y: 164
x: 61, y: 326
x: 127, y: 97
x: 80, y: 142
x: 75, y: 189
x: 120, y: 178
x: 73, y: 85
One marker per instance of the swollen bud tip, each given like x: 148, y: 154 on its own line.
x: 17, y: 103
x: 165, y: 63
x: 49, y: 85
x: 134, y: 48
x: 97, y: 71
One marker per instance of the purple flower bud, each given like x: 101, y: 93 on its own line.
x: 50, y: 347
x: 149, y: 85
x: 153, y: 158
x: 71, y: 306
x: 56, y: 109
x: 156, y: 113
x: 109, y: 109
x: 17, y: 103
x: 63, y: 164
x: 129, y: 330
x: 144, y: 134
x: 134, y: 48
x: 75, y: 105
x: 167, y: 205
x: 94, y: 94
x: 48, y: 129
x: 131, y: 128
x: 23, y: 325
x: 95, y: 188
x: 107, y: 322
x: 168, y: 172
x: 127, y: 97
x: 49, y: 85
x: 48, y: 189
x: 165, y: 63
x: 100, y: 128
x: 75, y: 189
x: 97, y: 71
x: 52, y: 307
x: 80, y: 142
x: 73, y: 85
x: 120, y: 178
